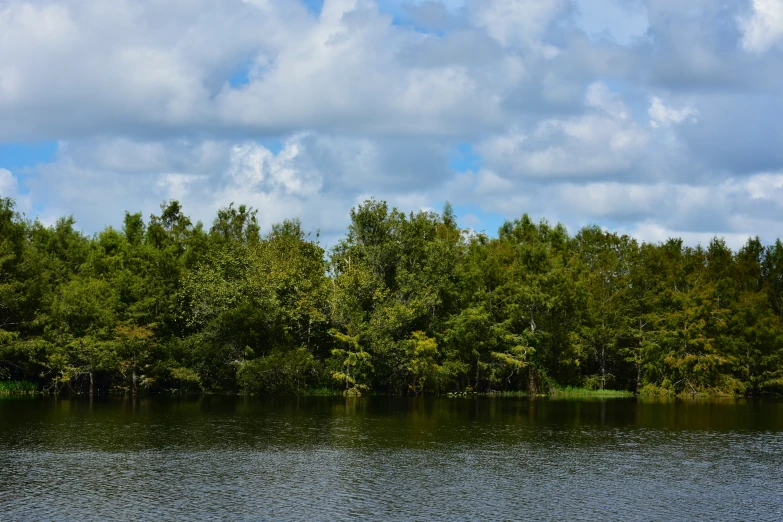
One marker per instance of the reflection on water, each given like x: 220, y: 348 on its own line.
x: 381, y: 458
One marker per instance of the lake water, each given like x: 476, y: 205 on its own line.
x: 381, y: 458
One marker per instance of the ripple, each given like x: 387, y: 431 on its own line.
x: 178, y: 462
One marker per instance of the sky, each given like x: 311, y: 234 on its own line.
x: 654, y: 118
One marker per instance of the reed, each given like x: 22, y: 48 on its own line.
x: 17, y: 387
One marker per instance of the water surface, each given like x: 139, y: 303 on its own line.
x: 381, y: 458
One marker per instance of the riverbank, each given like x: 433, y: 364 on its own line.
x: 30, y: 388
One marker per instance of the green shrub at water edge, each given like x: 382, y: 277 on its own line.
x: 13, y: 387
x: 321, y: 392
x: 572, y: 391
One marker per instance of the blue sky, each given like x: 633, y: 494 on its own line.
x: 21, y: 156
x: 653, y: 118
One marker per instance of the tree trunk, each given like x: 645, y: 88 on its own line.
x: 639, y: 360
x: 531, y: 381
x: 133, y: 383
x: 638, y: 376
x: 91, y: 384
x: 475, y: 384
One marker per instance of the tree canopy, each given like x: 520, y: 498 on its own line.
x: 402, y: 304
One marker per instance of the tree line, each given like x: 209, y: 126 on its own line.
x: 402, y: 304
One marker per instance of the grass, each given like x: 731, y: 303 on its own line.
x: 28, y: 387
x: 488, y: 394
x: 320, y: 392
x: 301, y: 392
x: 17, y: 387
x: 555, y: 393
x: 571, y: 391
x: 505, y: 394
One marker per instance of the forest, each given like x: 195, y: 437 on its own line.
x: 402, y: 304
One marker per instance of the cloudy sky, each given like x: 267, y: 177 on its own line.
x: 656, y: 118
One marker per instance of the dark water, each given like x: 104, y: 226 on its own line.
x: 376, y: 458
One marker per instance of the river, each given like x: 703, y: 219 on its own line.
x: 381, y: 459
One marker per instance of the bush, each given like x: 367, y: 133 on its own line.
x: 280, y: 372
x: 17, y: 387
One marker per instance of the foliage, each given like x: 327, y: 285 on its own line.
x: 402, y: 304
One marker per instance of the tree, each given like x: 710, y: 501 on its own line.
x: 355, y: 365
x: 422, y: 361
x: 403, y: 303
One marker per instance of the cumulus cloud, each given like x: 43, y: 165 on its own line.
x: 624, y: 22
x: 763, y: 27
x: 518, y: 22
x: 8, y: 183
x: 603, y: 141
x: 9, y: 188
x: 70, y: 68
x: 663, y: 116
x: 654, y: 211
x: 150, y: 67
x: 636, y: 114
x: 316, y: 177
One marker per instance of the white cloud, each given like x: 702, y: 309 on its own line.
x: 8, y: 184
x: 254, y: 168
x: 312, y: 176
x: 346, y: 73
x: 9, y: 188
x: 517, y: 22
x: 763, y: 28
x: 652, y: 211
x: 655, y: 233
x: 177, y: 186
x: 765, y: 186
x: 487, y: 182
x: 144, y: 67
x: 623, y: 21
x: 605, y: 140
x: 611, y: 199
x: 266, y: 103
x: 663, y: 116
x: 319, y: 177
x: 90, y: 66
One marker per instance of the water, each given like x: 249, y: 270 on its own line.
x: 380, y: 458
